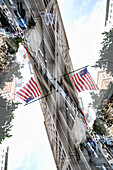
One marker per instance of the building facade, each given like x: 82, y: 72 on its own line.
x: 109, y: 14
x: 49, y: 55
x: 3, y: 157
x: 103, y: 79
x: 104, y: 82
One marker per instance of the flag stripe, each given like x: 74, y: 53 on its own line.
x: 78, y: 87
x: 20, y: 94
x: 34, y: 89
x: 29, y: 91
x: 76, y: 78
x: 81, y: 86
x: 84, y: 81
x: 90, y: 84
x: 24, y: 92
x: 30, y: 87
x: 27, y: 53
x: 75, y: 84
x: 95, y: 86
x: 36, y: 85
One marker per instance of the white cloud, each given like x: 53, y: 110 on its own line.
x: 84, y: 4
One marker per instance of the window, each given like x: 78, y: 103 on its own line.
x: 64, y: 155
x: 57, y: 27
x: 46, y: 2
x: 11, y: 2
x: 69, y: 167
x: 18, y: 82
x: 60, y: 144
x: 1, y: 161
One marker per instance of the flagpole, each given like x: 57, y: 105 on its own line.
x: 74, y: 71
x: 40, y: 98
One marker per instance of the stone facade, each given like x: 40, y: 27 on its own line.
x: 49, y: 53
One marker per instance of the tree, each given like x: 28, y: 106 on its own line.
x: 6, y: 115
x: 8, y: 64
x: 106, y: 53
x: 97, y: 101
x: 101, y: 100
x: 101, y: 103
x: 8, y: 69
x: 99, y: 127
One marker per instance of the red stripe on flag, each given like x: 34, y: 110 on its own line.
x: 27, y: 53
x: 19, y: 96
x: 95, y: 86
x: 78, y: 81
x: 75, y: 84
x: 22, y: 95
x: 36, y: 85
x: 84, y: 117
x: 31, y: 89
x: 35, y: 90
x: 83, y: 83
x: 27, y: 90
x: 90, y: 85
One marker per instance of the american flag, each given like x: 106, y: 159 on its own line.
x: 29, y: 91
x: 83, y: 81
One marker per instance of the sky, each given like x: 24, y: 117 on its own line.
x: 29, y: 148
x: 84, y: 22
